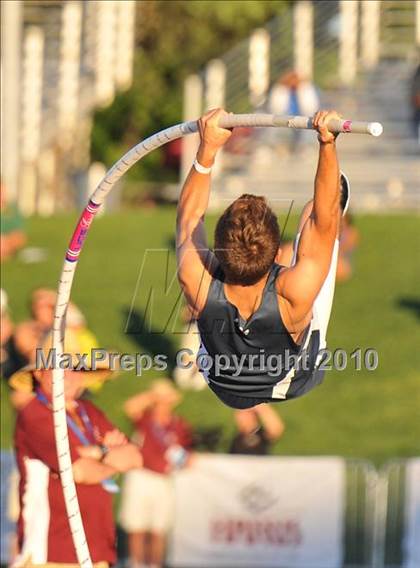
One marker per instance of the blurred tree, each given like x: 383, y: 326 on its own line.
x: 173, y: 39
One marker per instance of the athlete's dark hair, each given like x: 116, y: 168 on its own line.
x: 247, y: 239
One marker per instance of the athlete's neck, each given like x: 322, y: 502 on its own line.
x: 250, y: 287
x: 247, y: 299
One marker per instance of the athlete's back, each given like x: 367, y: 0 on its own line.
x: 239, y: 279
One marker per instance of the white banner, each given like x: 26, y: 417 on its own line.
x: 245, y: 511
x: 412, y: 508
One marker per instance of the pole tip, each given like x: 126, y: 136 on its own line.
x: 375, y: 128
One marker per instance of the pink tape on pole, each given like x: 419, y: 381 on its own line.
x: 81, y: 231
x: 347, y: 126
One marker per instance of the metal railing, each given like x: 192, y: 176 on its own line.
x: 397, y: 530
x: 359, y: 542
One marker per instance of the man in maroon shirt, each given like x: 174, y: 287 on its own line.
x: 147, y: 499
x: 98, y: 452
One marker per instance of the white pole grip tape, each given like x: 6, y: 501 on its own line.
x: 302, y: 122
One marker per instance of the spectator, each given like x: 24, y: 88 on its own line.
x: 30, y: 334
x: 33, y: 333
x: 349, y: 241
x: 258, y: 429
x: 23, y: 383
x: 415, y: 103
x: 147, y: 498
x: 292, y: 95
x: 98, y: 452
x: 12, y: 235
x: 189, y: 378
x: 10, y: 358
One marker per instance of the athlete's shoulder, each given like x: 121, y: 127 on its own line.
x: 280, y: 273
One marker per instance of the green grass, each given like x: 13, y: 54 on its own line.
x: 356, y: 414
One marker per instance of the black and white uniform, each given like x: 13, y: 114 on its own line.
x: 223, y: 332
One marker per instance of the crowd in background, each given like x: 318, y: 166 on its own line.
x: 162, y: 443
x: 164, y: 439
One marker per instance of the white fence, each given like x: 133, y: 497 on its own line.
x: 60, y: 61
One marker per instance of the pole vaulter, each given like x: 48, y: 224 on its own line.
x: 314, y: 230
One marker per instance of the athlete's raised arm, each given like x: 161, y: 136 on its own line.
x: 300, y: 284
x: 195, y: 260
